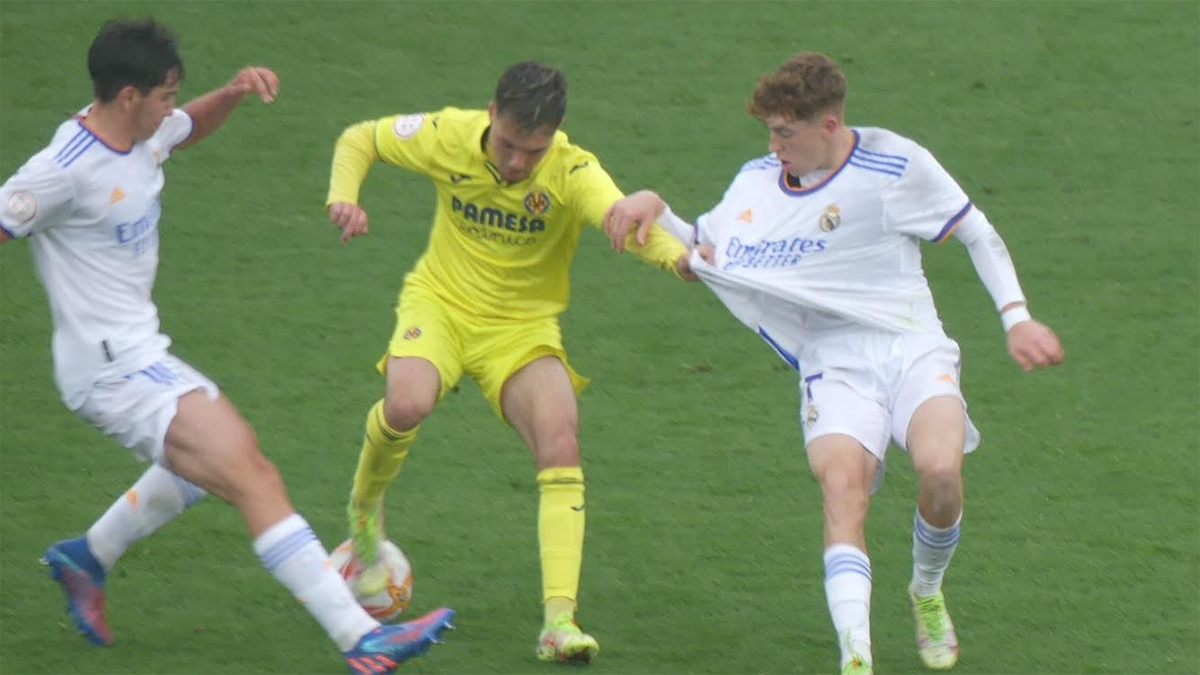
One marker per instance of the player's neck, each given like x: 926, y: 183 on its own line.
x: 110, y: 125
x: 840, y: 149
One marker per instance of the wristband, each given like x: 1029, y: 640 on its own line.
x: 1013, y: 316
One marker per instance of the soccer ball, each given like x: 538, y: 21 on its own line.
x: 384, y: 598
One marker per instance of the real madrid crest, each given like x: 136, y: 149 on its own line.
x: 810, y: 415
x: 831, y: 218
x: 537, y: 202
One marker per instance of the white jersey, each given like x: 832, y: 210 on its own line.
x: 91, y: 215
x: 797, y: 264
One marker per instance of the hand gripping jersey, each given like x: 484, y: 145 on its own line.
x: 840, y: 252
x: 91, y: 215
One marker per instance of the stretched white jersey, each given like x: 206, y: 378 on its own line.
x: 91, y: 215
x: 842, y: 251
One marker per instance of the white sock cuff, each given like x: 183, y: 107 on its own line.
x: 920, y: 519
x: 279, y: 541
x: 935, y: 537
x: 846, y: 559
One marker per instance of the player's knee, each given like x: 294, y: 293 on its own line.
x: 559, y: 446
x: 942, y: 483
x: 405, y: 412
x: 939, y: 470
x: 845, y: 489
x: 262, y: 477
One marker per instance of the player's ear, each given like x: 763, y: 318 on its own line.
x: 491, y: 111
x: 830, y: 123
x: 126, y: 96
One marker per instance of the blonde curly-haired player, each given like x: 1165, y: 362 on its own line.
x: 816, y: 247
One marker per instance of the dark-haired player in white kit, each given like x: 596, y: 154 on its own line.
x: 89, y: 205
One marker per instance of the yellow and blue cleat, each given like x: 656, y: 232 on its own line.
x: 82, y: 577
x: 385, y: 648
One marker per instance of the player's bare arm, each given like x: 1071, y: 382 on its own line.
x: 209, y: 111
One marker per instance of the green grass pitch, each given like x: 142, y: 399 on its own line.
x: 1072, y: 124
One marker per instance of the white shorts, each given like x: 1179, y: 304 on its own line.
x: 869, y: 385
x: 136, y: 409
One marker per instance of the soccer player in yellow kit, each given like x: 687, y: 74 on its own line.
x: 513, y: 195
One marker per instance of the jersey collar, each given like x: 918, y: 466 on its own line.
x: 819, y: 183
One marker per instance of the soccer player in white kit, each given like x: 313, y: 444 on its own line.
x: 816, y: 247
x: 89, y: 204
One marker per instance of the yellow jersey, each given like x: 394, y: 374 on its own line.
x: 497, y: 249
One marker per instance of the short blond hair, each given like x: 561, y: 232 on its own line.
x: 805, y: 86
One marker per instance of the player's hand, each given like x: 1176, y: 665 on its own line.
x: 1032, y: 344
x: 684, y: 263
x: 350, y: 218
x: 256, y: 80
x: 638, y: 210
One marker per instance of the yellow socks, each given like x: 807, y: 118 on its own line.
x: 383, y: 453
x: 560, y: 536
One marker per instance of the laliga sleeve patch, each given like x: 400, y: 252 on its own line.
x: 21, y: 206
x: 407, y: 126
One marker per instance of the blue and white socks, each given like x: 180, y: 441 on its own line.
x: 294, y: 555
x: 848, y: 590
x: 933, y: 547
x: 153, y: 501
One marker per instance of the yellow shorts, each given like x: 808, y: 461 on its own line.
x: 490, y: 350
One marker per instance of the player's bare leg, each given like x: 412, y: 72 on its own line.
x: 935, y: 442
x: 391, y: 428
x: 844, y: 469
x: 210, y: 444
x: 539, y: 402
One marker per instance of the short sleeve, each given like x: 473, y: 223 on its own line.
x: 175, y: 129
x: 35, y: 198
x: 925, y: 201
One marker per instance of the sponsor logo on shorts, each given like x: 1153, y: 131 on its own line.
x: 412, y: 333
x: 830, y: 220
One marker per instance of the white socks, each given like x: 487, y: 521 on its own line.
x: 848, y: 590
x: 933, y: 547
x: 153, y: 501
x: 291, y: 552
